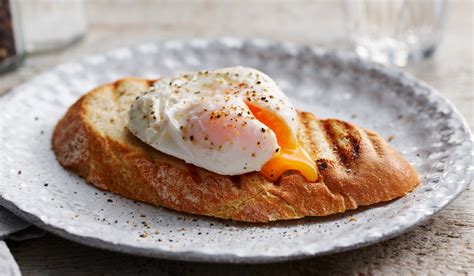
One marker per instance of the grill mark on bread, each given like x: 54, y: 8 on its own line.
x: 376, y: 143
x: 320, y: 145
x: 345, y: 140
x: 354, y: 137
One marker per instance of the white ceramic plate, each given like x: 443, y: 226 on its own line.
x: 426, y: 129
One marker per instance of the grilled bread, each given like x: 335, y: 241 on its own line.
x: 356, y: 166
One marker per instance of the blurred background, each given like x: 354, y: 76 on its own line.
x: 393, y: 32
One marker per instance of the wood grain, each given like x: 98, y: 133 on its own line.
x: 443, y: 245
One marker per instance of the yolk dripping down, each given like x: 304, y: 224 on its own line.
x: 291, y: 156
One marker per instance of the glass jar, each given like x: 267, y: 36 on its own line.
x: 11, y: 41
x: 395, y: 32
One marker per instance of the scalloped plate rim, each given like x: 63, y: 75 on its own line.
x: 193, y: 255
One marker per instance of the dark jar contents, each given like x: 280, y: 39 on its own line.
x: 11, y: 52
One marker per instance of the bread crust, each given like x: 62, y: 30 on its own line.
x: 357, y: 167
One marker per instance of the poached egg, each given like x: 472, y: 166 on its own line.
x: 229, y: 121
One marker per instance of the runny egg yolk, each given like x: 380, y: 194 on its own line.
x: 291, y: 156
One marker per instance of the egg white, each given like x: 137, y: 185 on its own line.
x: 202, y: 118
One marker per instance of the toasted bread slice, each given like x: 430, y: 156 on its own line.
x: 356, y: 166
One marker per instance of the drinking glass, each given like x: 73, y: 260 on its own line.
x: 395, y: 32
x: 52, y: 24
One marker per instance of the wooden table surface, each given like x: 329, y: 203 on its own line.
x: 443, y: 245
